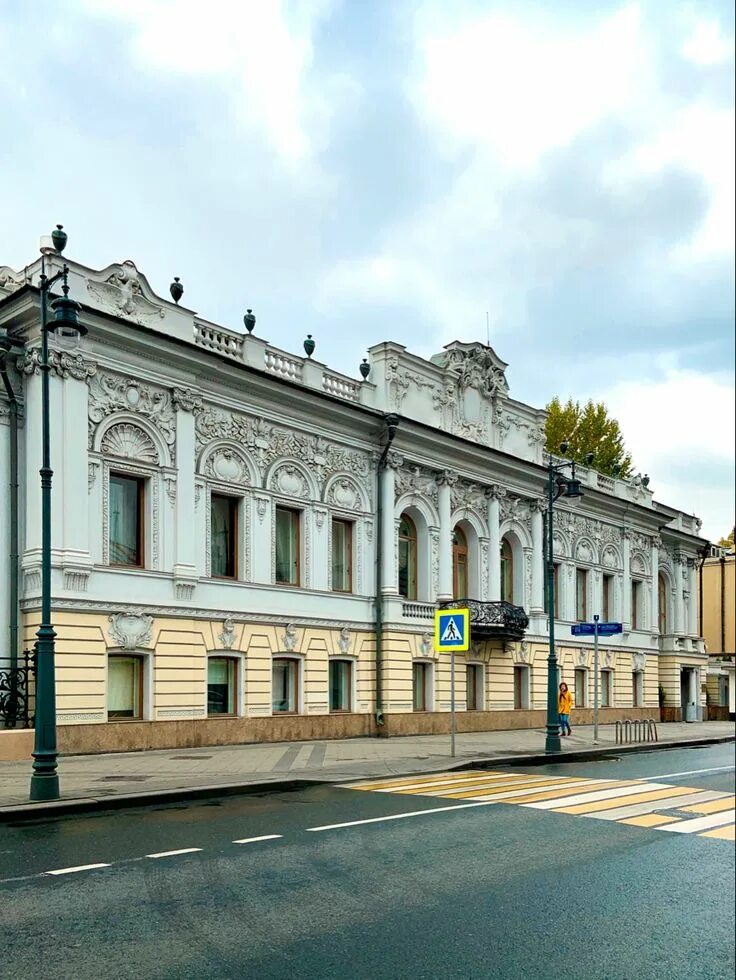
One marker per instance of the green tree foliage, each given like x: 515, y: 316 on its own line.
x: 729, y: 541
x: 588, y: 429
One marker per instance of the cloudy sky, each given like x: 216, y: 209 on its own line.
x: 366, y: 170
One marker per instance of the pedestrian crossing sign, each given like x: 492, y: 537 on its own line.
x: 452, y: 630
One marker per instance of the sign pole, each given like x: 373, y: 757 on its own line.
x: 452, y: 704
x: 595, y: 678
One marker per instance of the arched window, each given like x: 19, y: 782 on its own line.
x: 407, y: 558
x: 662, y: 602
x: 459, y: 564
x: 507, y: 572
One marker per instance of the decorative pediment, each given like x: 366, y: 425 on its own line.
x: 475, y: 366
x: 124, y: 291
x: 127, y: 441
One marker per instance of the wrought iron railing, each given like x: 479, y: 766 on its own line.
x: 489, y: 619
x: 18, y: 693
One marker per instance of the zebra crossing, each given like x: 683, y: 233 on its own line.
x: 634, y: 802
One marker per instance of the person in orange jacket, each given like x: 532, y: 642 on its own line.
x: 564, y: 706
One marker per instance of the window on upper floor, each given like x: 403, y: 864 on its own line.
x: 581, y: 595
x: 636, y: 604
x: 407, y: 558
x: 224, y: 536
x: 459, y: 564
x: 342, y: 556
x: 127, y: 527
x: 507, y: 571
x: 662, y: 603
x: 608, y: 608
x: 288, y: 546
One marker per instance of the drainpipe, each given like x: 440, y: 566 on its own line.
x: 723, y: 605
x: 704, y: 552
x: 392, y: 424
x: 14, y: 556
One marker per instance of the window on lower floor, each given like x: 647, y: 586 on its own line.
x: 125, y: 687
x: 224, y: 536
x: 126, y: 530
x: 637, y: 688
x: 474, y: 687
x: 342, y: 556
x: 521, y: 686
x: 285, y: 692
x: 606, y: 688
x: 421, y: 686
x: 222, y: 686
x: 341, y: 683
x: 581, y: 687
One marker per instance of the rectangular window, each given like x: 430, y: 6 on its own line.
x: 341, y: 681
x: 126, y: 520
x: 521, y: 687
x: 581, y: 595
x: 581, y: 688
x: 224, y: 536
x: 125, y: 687
x: 285, y: 686
x: 474, y: 687
x: 607, y: 598
x: 636, y: 588
x: 342, y: 556
x: 287, y: 546
x: 606, y: 688
x: 637, y: 688
x: 421, y: 680
x: 222, y: 686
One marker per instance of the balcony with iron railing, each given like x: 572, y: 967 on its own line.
x: 488, y: 620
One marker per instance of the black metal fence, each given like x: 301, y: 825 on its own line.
x: 18, y: 693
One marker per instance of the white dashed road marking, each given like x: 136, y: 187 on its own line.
x: 82, y: 867
x: 252, y: 840
x: 397, y: 816
x: 167, y: 854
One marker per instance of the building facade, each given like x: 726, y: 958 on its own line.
x: 238, y: 555
x: 717, y: 588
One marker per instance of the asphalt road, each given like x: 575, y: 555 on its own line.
x: 471, y: 890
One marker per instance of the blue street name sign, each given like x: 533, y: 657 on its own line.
x: 604, y: 629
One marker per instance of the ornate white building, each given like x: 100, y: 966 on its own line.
x: 223, y: 511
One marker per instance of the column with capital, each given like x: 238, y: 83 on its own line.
x: 692, y: 604
x: 537, y: 597
x: 680, y: 569
x: 494, y: 496
x: 626, y: 581
x: 445, y: 481
x: 654, y: 561
x: 186, y: 403
x: 389, y: 571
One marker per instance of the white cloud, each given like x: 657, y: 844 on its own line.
x: 262, y: 52
x: 678, y: 429
x: 707, y: 45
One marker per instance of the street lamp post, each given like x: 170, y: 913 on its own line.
x: 44, y: 777
x: 558, y: 485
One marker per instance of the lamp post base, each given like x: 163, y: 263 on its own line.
x: 552, y: 742
x: 44, y: 789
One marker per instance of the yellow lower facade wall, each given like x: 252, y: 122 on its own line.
x: 175, y: 697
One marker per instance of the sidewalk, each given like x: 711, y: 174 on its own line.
x: 104, y: 777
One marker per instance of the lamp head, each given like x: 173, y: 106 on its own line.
x: 66, y: 325
x: 573, y: 491
x: 564, y: 446
x: 392, y: 424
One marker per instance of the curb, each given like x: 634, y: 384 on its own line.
x: 23, y: 812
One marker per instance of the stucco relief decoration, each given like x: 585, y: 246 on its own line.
x: 10, y: 280
x: 289, y: 481
x: 343, y: 641
x: 416, y: 482
x: 559, y: 544
x: 638, y: 661
x: 426, y: 645
x: 61, y: 363
x: 129, y: 442
x: 434, y: 539
x: 110, y: 393
x: 261, y: 508
x: 608, y: 659
x: 584, y: 551
x: 289, y: 638
x: 228, y: 466
x: 610, y: 558
x: 582, y: 658
x: 398, y: 384
x: 501, y: 423
x: 170, y: 487
x: 122, y: 293
x: 521, y: 652
x: 320, y: 515
x: 92, y: 468
x: 638, y: 564
x: 227, y: 636
x: 130, y: 630
x: 345, y: 494
x: 186, y: 400
x: 466, y: 497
